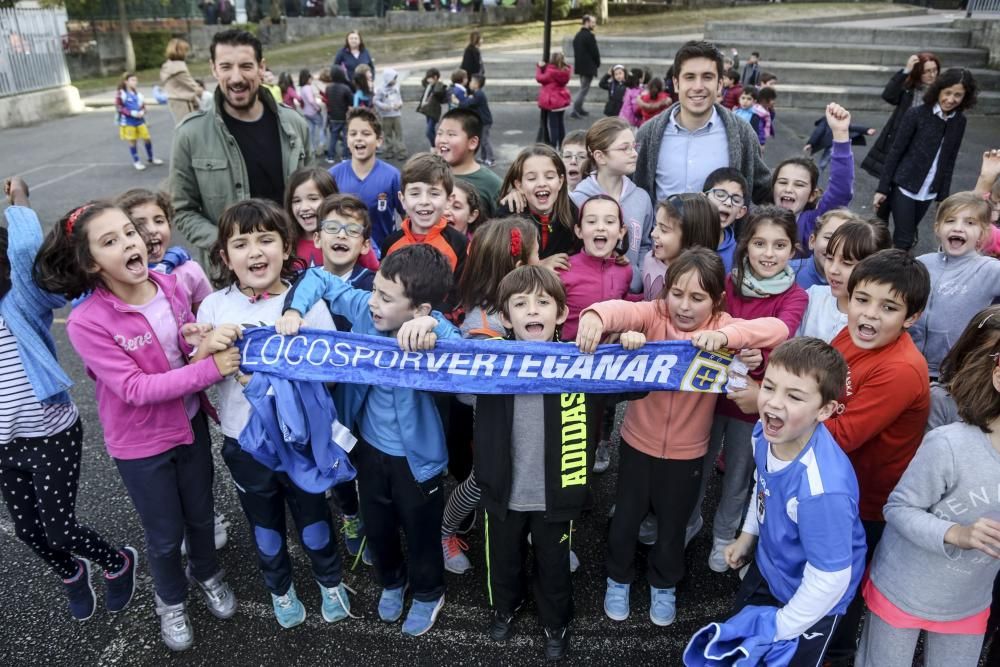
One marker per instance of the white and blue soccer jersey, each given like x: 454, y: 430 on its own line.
x: 379, y: 190
x: 807, y: 512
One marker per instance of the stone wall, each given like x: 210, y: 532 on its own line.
x: 985, y: 35
x: 35, y: 107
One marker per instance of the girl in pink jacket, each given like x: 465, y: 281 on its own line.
x: 665, y: 435
x: 134, y: 333
x: 554, y: 97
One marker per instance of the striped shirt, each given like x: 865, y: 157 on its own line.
x: 21, y: 414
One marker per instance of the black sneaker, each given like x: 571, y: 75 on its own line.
x: 120, y: 587
x: 556, y: 643
x: 501, y: 627
x: 79, y: 590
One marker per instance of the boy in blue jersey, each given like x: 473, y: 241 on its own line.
x: 803, y: 513
x: 373, y: 181
x: 401, y: 454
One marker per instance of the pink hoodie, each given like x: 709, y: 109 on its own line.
x: 140, y: 399
x: 590, y: 280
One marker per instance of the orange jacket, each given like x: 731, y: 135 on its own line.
x: 676, y: 424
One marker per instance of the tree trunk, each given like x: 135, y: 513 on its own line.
x: 126, y: 37
x: 601, y: 12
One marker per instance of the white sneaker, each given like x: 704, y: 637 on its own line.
x: 717, y: 559
x: 455, y: 560
x: 156, y: 162
x: 574, y: 561
x: 139, y: 166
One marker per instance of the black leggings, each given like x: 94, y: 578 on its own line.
x: 906, y: 216
x: 557, y: 128
x: 38, y: 477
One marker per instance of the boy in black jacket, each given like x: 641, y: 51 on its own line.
x: 533, y: 458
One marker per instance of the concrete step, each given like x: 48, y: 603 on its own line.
x: 614, y: 49
x: 929, y: 38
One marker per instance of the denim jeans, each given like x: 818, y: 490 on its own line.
x: 336, y: 128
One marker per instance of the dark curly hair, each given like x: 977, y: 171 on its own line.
x: 953, y: 77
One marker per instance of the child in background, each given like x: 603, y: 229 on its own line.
x: 745, y: 112
x: 682, y: 222
x: 727, y: 189
x: 761, y: 284
x: 37, y: 414
x: 794, y: 182
x: 574, y: 154
x: 523, y: 481
x: 941, y: 544
x: 458, y: 137
x: 364, y: 87
x: 373, y: 181
x: 768, y: 80
x: 810, y: 271
x: 594, y: 274
x: 306, y: 190
x: 289, y: 96
x: 312, y: 109
x: 152, y: 213
x: 339, y: 100
x: 821, y: 141
x: 611, y: 159
x: 435, y: 94
x: 731, y: 89
x: 826, y: 314
x: 614, y: 83
x: 389, y: 105
x: 659, y: 471
x: 653, y: 101
x: 131, y: 109
x: 457, y: 90
x: 554, y: 97
x: 962, y: 280
x: 255, y: 233
x: 400, y: 457
x: 464, y: 211
x: 166, y: 465
x: 766, y: 97
x: 476, y: 101
x: 633, y: 89
x: 499, y: 247
x: 538, y: 177
x: 803, y: 512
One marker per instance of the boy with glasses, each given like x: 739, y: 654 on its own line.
x: 727, y: 190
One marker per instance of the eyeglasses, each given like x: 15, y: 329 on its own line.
x: 626, y: 148
x: 574, y: 157
x: 722, y: 196
x: 352, y: 229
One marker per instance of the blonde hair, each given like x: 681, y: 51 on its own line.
x: 177, y: 49
x: 846, y: 214
x: 980, y: 209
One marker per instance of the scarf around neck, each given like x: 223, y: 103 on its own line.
x: 761, y: 288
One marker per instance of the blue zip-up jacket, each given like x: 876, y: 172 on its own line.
x: 839, y: 191
x: 27, y: 309
x: 414, y: 411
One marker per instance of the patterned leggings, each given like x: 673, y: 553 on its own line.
x: 38, y: 477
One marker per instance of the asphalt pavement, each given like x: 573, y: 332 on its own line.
x: 68, y: 161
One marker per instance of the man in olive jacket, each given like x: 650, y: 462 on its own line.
x: 245, y: 146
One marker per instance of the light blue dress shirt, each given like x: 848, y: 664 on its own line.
x: 688, y: 157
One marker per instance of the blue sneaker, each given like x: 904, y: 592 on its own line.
x: 422, y: 616
x: 336, y: 604
x: 390, y: 605
x: 287, y: 609
x: 79, y: 590
x: 662, y: 605
x: 354, y: 533
x: 120, y: 586
x: 616, y: 600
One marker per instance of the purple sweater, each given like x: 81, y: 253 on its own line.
x: 140, y: 399
x: 789, y: 307
x: 588, y: 281
x: 839, y: 191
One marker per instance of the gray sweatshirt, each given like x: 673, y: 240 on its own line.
x: 639, y: 217
x: 960, y: 288
x: 954, y: 478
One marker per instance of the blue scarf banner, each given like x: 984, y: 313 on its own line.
x: 482, y: 366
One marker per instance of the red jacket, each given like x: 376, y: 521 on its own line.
x: 884, y: 413
x: 554, y: 94
x: 731, y: 96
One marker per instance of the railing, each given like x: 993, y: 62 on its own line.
x: 982, y: 7
x: 31, y: 55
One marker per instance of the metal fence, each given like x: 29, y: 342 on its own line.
x: 31, y: 55
x: 982, y: 7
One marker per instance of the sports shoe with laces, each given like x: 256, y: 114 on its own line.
x: 602, y: 457
x: 218, y: 596
x: 616, y: 605
x: 501, y: 626
x: 421, y: 617
x: 717, y: 559
x: 287, y: 608
x: 336, y: 604
x: 119, y: 587
x: 455, y: 560
x: 556, y: 643
x: 662, y: 605
x: 175, y: 626
x: 353, y: 531
x: 141, y: 167
x: 156, y: 162
x: 80, y: 592
x: 390, y: 604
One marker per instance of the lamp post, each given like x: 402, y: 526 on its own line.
x: 543, y: 126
